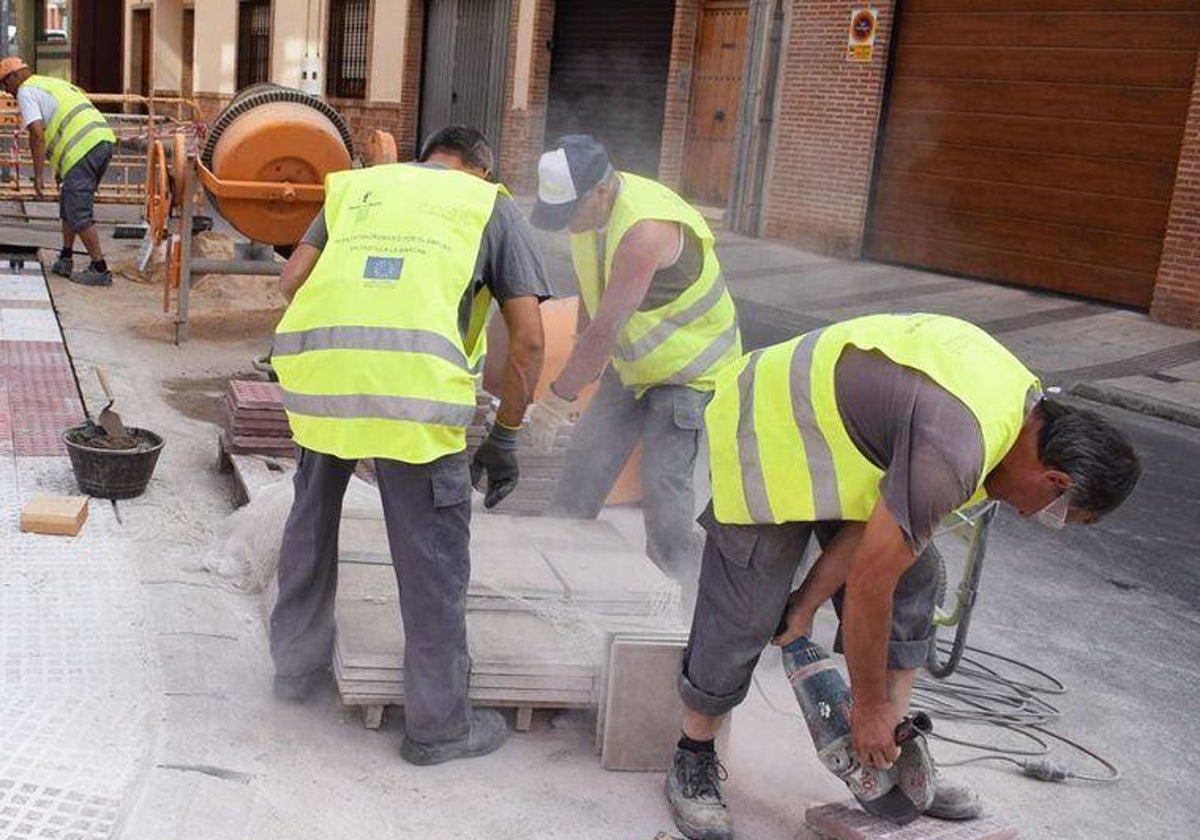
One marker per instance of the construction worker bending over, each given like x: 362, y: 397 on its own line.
x: 67, y: 130
x: 655, y: 304
x: 865, y: 433
x: 377, y: 355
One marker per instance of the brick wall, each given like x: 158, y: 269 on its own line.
x: 1177, y: 290
x: 827, y: 124
x: 679, y: 86
x: 523, y: 131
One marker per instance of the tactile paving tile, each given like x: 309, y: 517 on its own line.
x: 22, y: 287
x: 29, y: 325
x: 54, y: 813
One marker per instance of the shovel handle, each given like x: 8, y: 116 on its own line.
x: 103, y: 377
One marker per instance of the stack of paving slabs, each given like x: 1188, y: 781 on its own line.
x: 540, y: 467
x: 539, y: 612
x: 253, y: 421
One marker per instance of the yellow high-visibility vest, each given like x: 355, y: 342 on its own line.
x: 370, y: 354
x: 779, y: 449
x: 76, y: 128
x: 683, y: 342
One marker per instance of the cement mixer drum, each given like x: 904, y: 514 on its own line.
x: 279, y: 135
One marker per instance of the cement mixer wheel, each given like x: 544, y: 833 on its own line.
x: 179, y: 162
x: 158, y: 192
x: 263, y: 94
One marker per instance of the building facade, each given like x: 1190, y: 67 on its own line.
x: 1053, y: 144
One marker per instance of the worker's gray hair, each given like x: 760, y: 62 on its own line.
x: 1098, y: 457
x: 468, y: 143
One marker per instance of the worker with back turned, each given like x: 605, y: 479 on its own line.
x: 68, y: 131
x: 377, y: 355
x: 866, y: 434
x: 655, y: 305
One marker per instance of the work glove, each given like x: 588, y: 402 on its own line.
x: 548, y: 416
x: 497, y: 457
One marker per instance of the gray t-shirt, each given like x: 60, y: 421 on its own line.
x: 928, y: 444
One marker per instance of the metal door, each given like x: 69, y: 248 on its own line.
x: 464, y: 66
x: 608, y: 76
x: 716, y: 94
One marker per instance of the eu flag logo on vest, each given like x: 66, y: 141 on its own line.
x: 383, y: 268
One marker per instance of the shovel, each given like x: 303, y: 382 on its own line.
x: 109, y: 419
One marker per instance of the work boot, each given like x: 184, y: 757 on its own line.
x: 93, y: 275
x: 953, y: 801
x: 693, y: 789
x: 298, y: 688
x: 488, y: 732
x: 63, y: 266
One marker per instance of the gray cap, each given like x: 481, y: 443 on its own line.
x: 567, y: 173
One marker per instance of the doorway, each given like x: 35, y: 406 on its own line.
x: 608, y: 77
x: 97, y: 34
x: 139, y: 54
x: 464, y: 67
x: 708, y: 152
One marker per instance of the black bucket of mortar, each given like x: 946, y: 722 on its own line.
x: 109, y: 468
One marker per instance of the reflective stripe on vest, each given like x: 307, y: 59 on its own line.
x: 685, y: 341
x: 77, y: 126
x: 370, y: 353
x: 779, y: 449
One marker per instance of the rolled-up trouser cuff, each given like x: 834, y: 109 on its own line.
x: 903, y: 655
x: 701, y: 701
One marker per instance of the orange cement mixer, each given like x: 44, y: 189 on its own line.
x: 278, y: 136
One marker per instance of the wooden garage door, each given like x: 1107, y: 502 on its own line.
x: 1035, y: 141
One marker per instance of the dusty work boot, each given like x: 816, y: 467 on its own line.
x: 693, y: 789
x: 488, y: 732
x: 953, y: 801
x: 96, y: 274
x: 296, y: 689
x: 64, y: 266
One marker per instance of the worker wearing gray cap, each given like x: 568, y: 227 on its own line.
x: 655, y: 305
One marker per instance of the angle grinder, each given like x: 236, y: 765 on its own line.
x: 899, y: 793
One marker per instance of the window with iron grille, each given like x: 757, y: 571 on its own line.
x: 346, y: 56
x: 254, y: 42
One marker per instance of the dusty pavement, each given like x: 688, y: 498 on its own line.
x: 172, y: 726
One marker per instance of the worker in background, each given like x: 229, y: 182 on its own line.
x: 377, y: 355
x: 865, y: 433
x: 69, y: 132
x: 654, y: 303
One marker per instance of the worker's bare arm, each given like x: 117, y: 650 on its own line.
x: 296, y: 270
x: 882, y: 557
x: 826, y: 577
x: 647, y: 246
x: 37, y: 152
x: 523, y: 363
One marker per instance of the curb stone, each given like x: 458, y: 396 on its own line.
x: 1133, y: 401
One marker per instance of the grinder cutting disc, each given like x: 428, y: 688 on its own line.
x: 913, y: 788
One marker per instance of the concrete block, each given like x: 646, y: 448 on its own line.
x: 641, y: 709
x: 60, y: 515
x: 845, y: 821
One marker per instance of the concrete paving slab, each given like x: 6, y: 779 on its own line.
x: 974, y: 302
x: 1104, y: 339
x: 841, y: 821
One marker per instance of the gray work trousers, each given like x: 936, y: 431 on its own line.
x: 667, y: 419
x: 427, y: 509
x: 745, y: 579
